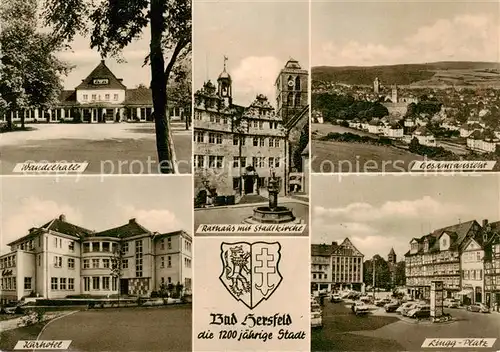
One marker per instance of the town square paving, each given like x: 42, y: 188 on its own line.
x: 117, y: 148
x: 343, y: 331
x: 125, y: 329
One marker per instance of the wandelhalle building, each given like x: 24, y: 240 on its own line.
x: 236, y: 149
x: 100, y: 97
x: 465, y: 257
x: 60, y: 259
x: 335, y: 267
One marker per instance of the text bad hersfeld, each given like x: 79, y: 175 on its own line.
x: 251, y: 320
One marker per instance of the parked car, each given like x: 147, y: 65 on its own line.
x: 451, y: 303
x: 392, y: 306
x: 420, y: 312
x: 315, y: 307
x: 479, y: 308
x: 336, y: 298
x: 316, y: 320
x: 405, y: 308
x: 381, y: 302
x: 366, y: 299
x: 361, y: 308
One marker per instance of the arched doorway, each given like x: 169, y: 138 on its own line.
x: 250, y: 181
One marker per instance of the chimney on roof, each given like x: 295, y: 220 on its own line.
x: 120, y: 79
x: 485, y: 223
x: 102, y: 62
x: 32, y: 229
x: 131, y: 221
x: 62, y: 217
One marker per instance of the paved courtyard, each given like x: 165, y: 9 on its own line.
x: 118, y: 148
x: 382, y: 331
x: 235, y: 214
x: 125, y: 329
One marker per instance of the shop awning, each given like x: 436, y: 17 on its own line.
x: 465, y: 292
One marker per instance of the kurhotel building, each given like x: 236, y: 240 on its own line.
x: 60, y: 259
x: 235, y: 148
x: 336, y: 266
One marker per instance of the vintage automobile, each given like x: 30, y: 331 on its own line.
x: 336, y: 298
x: 392, y: 306
x: 381, y: 302
x: 405, y: 308
x: 315, y: 307
x: 316, y: 320
x: 478, y: 308
x: 451, y: 303
x: 361, y: 308
x: 14, y: 308
x: 421, y: 311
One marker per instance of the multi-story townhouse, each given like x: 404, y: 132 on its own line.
x: 321, y: 267
x: 452, y: 254
x: 337, y: 266
x: 492, y: 266
x: 60, y: 259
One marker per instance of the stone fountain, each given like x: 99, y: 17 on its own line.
x: 274, y: 213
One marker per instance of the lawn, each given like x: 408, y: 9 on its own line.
x: 9, y: 338
x: 357, y: 157
x: 166, y: 328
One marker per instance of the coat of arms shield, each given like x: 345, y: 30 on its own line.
x: 250, y: 271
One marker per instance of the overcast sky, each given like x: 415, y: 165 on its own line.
x: 160, y: 204
x: 85, y: 60
x: 390, y: 32
x: 379, y: 212
x: 258, y: 37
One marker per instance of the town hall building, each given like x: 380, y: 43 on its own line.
x: 237, y: 149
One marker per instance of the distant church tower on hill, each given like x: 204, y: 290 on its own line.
x: 394, y: 95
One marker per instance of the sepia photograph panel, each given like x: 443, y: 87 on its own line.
x: 251, y: 115
x: 96, y: 263
x: 406, y: 269
x: 405, y: 85
x: 105, y: 90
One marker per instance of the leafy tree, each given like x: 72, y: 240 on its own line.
x: 400, y: 274
x: 113, y: 25
x: 180, y: 91
x: 117, y: 267
x: 414, y: 145
x: 30, y: 74
x: 382, y: 272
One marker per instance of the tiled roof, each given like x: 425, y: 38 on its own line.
x: 66, y: 228
x: 138, y: 96
x: 101, y: 72
x: 67, y: 97
x: 322, y: 249
x: 128, y: 230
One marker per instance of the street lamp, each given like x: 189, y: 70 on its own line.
x: 374, y: 260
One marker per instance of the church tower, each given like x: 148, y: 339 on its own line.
x: 224, y: 83
x: 376, y: 86
x: 391, y: 258
x: 394, y: 96
x: 291, y: 90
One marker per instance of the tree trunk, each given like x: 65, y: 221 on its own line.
x: 22, y: 119
x: 158, y: 87
x: 9, y: 120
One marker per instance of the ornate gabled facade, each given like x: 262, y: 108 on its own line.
x: 455, y: 255
x: 59, y: 259
x: 492, y: 265
x: 236, y: 149
x: 336, y: 266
